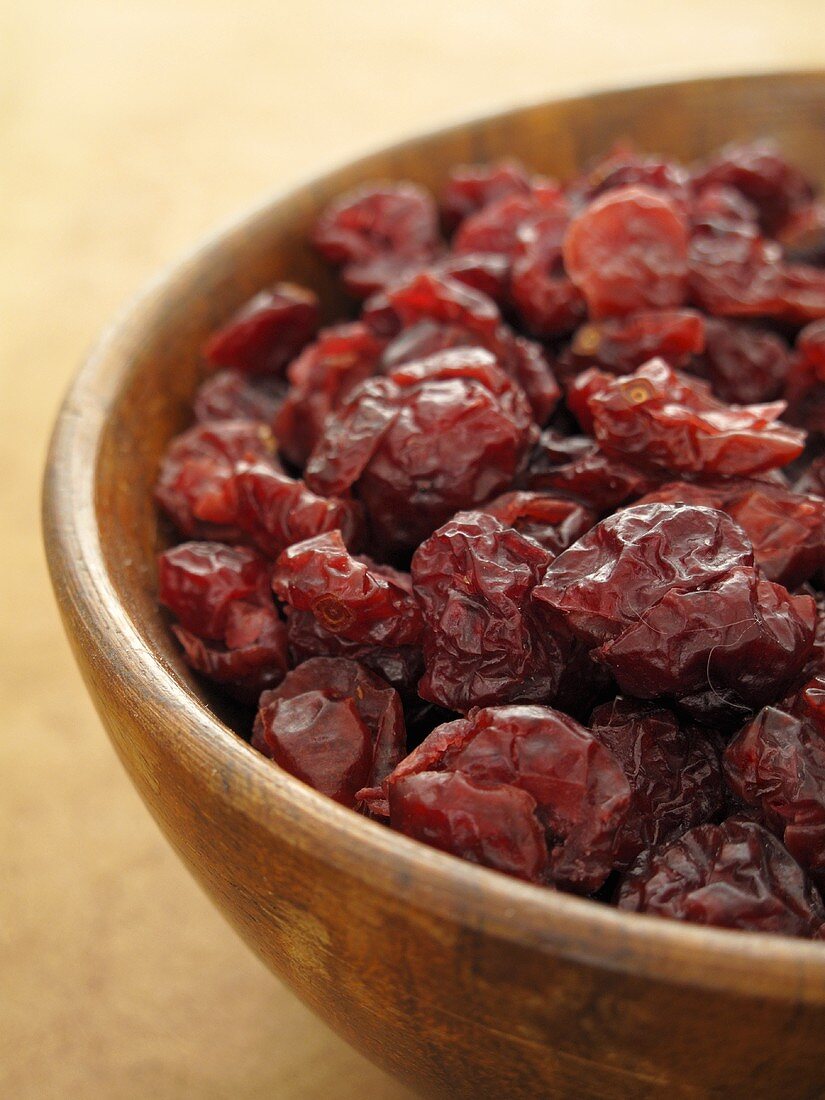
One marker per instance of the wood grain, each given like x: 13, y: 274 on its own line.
x: 460, y: 981
x: 128, y: 130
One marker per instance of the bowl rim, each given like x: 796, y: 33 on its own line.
x: 532, y: 917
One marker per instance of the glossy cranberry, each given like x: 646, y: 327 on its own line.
x: 469, y: 188
x: 197, y: 483
x: 743, y: 364
x: 553, y: 522
x: 733, y: 875
x: 776, y: 764
x: 319, y: 380
x: 627, y: 251
x: 267, y: 332
x: 673, y: 771
x: 616, y: 572
x: 546, y: 300
x: 232, y: 395
x: 359, y: 602
x: 448, y: 433
x: 622, y: 344
x: 378, y: 224
x: 482, y: 643
x: 661, y: 418
x: 580, y: 791
x: 199, y: 582
x: 624, y: 166
x: 339, y: 748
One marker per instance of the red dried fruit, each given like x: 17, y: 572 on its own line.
x: 760, y: 173
x: 274, y: 510
x: 574, y: 466
x: 624, y: 166
x: 580, y: 791
x: 622, y: 567
x: 717, y: 206
x: 786, y: 528
x: 733, y: 875
x: 492, y: 824
x: 810, y: 343
x: 674, y: 774
x: 659, y: 417
x: 722, y: 650
x: 338, y: 748
x: 777, y: 765
x: 546, y: 300
x: 471, y: 187
x: 423, y: 339
x: 319, y: 380
x: 401, y: 666
x: 199, y: 582
x: 446, y: 433
x: 553, y: 522
x: 734, y: 272
x: 378, y: 225
x: 743, y: 364
x: 622, y: 344
x: 482, y: 643
x: 251, y: 657
x: 197, y: 483
x: 813, y: 479
x: 627, y: 251
x: 356, y: 601
x: 231, y: 395
x: 441, y: 299
x: 266, y: 332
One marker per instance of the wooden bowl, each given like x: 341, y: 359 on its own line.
x: 459, y: 980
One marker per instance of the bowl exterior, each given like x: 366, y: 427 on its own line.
x: 457, y: 980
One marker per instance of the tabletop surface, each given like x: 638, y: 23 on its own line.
x: 127, y: 131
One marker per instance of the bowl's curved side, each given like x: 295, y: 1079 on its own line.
x: 454, y: 977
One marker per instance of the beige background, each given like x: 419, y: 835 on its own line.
x: 130, y: 128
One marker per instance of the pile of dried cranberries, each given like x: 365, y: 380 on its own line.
x: 527, y: 561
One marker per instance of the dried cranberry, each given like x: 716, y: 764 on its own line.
x: 659, y: 417
x: 760, y: 173
x: 722, y: 650
x: 228, y: 627
x: 553, y: 522
x: 378, y: 224
x: 786, y: 528
x: 338, y: 749
x: 546, y: 300
x: 627, y: 251
x: 482, y: 643
x: 197, y: 483
x: 574, y: 466
x: 360, y: 603
x: 733, y: 875
x: 777, y: 765
x: 495, y: 228
x: 623, y: 166
x: 813, y: 479
x: 743, y: 364
x: 267, y: 332
x: 274, y: 510
x: 446, y: 433
x: 319, y: 379
x: 622, y: 344
x: 472, y: 187
x: 493, y: 824
x: 199, y: 582
x: 802, y: 234
x: 673, y: 771
x: 400, y: 666
x: 580, y: 791
x: 716, y: 206
x: 232, y: 395
x: 734, y: 272
x: 622, y: 567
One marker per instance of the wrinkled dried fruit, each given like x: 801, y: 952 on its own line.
x: 553, y: 522
x: 482, y: 642
x: 658, y: 417
x: 267, y: 332
x: 232, y: 395
x: 359, y: 602
x: 342, y: 730
x: 474, y: 186
x: 627, y: 251
x: 622, y: 344
x: 673, y: 771
x: 734, y: 875
x: 743, y: 364
x: 446, y: 433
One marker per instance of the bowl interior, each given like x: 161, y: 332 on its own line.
x: 134, y: 394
